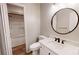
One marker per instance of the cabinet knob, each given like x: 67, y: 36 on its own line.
x: 49, y: 53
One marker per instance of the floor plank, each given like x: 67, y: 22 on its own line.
x: 20, y: 50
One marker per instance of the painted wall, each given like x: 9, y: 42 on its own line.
x: 32, y: 23
x: 47, y: 11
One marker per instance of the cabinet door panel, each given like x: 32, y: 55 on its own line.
x: 52, y: 53
x: 44, y: 51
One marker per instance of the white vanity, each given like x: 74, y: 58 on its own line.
x: 51, y: 47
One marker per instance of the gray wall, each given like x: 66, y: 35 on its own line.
x: 47, y: 11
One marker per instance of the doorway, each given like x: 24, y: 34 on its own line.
x: 17, y: 32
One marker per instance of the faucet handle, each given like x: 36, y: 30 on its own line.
x: 62, y: 41
x: 56, y: 39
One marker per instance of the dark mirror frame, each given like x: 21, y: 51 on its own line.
x: 69, y: 31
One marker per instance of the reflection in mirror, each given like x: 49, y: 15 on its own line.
x: 64, y: 21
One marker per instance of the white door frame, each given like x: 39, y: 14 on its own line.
x: 5, y: 32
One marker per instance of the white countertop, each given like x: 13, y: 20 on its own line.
x: 60, y: 49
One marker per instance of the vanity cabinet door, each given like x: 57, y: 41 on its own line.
x: 45, y: 51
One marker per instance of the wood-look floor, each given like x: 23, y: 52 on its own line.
x: 20, y: 50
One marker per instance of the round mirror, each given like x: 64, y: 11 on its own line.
x: 64, y: 21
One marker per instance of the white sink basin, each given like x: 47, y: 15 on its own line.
x: 61, y: 49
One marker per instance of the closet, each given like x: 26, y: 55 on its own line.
x: 16, y: 24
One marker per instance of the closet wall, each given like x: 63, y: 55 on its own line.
x: 16, y: 22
